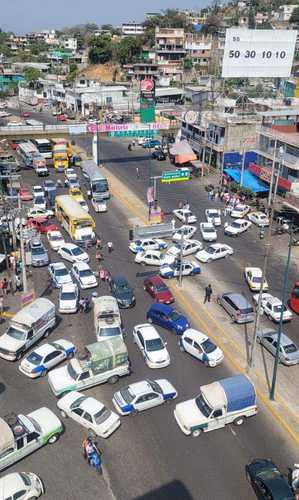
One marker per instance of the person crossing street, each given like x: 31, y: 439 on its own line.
x: 208, y: 294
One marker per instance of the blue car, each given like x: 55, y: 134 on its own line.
x: 188, y: 268
x: 167, y: 317
x: 152, y: 143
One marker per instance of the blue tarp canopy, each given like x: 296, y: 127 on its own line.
x: 249, y: 180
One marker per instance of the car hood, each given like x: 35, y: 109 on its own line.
x: 47, y: 420
x: 88, y: 279
x: 158, y: 356
x: 203, y: 255
x: 188, y: 413
x: 124, y: 295
x: 167, y: 295
x: 9, y: 343
x: 63, y: 280
x: 166, y: 386
x: 60, y: 379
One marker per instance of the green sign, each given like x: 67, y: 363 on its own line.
x: 134, y: 133
x: 181, y: 174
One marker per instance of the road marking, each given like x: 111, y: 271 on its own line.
x: 267, y: 403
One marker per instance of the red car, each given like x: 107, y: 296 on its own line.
x: 156, y: 287
x: 15, y: 143
x: 25, y: 194
x: 62, y: 118
x: 294, y: 299
x: 42, y: 224
x: 25, y: 114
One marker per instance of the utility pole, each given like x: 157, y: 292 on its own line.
x: 272, y: 174
x: 281, y: 154
x: 23, y: 256
x: 181, y: 260
x: 259, y: 304
x: 283, y: 300
x: 243, y: 166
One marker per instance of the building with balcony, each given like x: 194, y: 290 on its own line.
x: 199, y: 48
x: 169, y: 45
x: 132, y: 29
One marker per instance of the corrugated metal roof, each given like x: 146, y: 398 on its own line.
x: 280, y: 112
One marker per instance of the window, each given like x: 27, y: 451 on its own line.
x: 84, y: 376
x: 142, y: 399
x: 20, y: 444
x: 187, y: 340
x: 197, y: 346
x: 87, y: 417
x: 32, y: 436
x: 51, y: 356
x: 151, y: 396
x: 217, y: 413
x: 19, y: 494
x: 78, y: 412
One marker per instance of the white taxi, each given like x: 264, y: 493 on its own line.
x: 185, y: 215
x: 151, y: 345
x: 68, y: 299
x: 184, y: 232
x: 186, y: 247
x: 147, y: 244
x: 208, y: 231
x: 89, y: 412
x: 237, y: 227
x: 85, y: 277
x: 259, y: 219
x: 55, y: 239
x: 213, y: 215
x: 153, y: 258
x: 39, y: 212
x: 272, y: 307
x: 21, y: 485
x: 214, y: 252
x: 239, y: 211
x: 254, y: 279
x: 201, y: 347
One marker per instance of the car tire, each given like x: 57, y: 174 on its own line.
x: 239, y: 420
x: 112, y: 380
x: 134, y: 413
x: 63, y: 414
x: 47, y: 333
x: 53, y: 439
x: 44, y: 373
x: 19, y: 355
x: 70, y: 355
x: 196, y: 433
x: 209, y: 261
x: 181, y: 347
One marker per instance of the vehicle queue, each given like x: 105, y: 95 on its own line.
x: 76, y: 224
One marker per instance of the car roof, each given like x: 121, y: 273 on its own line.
x: 148, y: 331
x: 255, y: 270
x: 44, y: 349
x: 140, y: 387
x: 276, y: 482
x: 240, y: 299
x: 155, y: 280
x: 153, y: 252
x: 206, y: 224
x: 70, y: 246
x: 195, y: 335
x: 69, y: 287
x: 11, y: 484
x: 162, y: 307
x: 91, y: 405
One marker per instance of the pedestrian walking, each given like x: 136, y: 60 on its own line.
x: 1, y: 305
x: 99, y: 243
x: 99, y: 256
x: 225, y: 212
x: 212, y: 194
x: 110, y: 246
x: 12, y: 262
x: 137, y: 173
x: 208, y: 294
x: 216, y: 195
x: 4, y: 286
x: 18, y: 283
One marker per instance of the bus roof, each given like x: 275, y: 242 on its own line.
x: 27, y: 147
x: 59, y: 140
x: 72, y: 208
x: 92, y: 170
x: 39, y: 142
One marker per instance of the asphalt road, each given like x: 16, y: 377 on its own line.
x: 148, y: 457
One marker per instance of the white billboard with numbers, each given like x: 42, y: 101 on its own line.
x: 258, y: 53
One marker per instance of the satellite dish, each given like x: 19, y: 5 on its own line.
x: 191, y: 117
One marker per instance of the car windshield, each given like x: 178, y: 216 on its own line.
x: 235, y: 224
x: 211, y: 250
x: 85, y: 273
x: 161, y: 288
x: 72, y: 373
x: 155, y: 386
x: 77, y: 251
x: 102, y: 415
x: 61, y: 272
x: 110, y: 332
x: 277, y: 309
x: 17, y: 334
x: 208, y: 229
x: 39, y: 200
x: 34, y: 358
x: 290, y: 348
x: 239, y: 209
x: 154, y: 345
x: 26, y: 478
x: 35, y: 424
x: 127, y: 395
x: 174, y: 316
x: 202, y: 406
x: 55, y: 237
x: 257, y: 279
x: 208, y: 346
x: 68, y: 296
x: 213, y: 213
x: 124, y: 287
x: 37, y: 250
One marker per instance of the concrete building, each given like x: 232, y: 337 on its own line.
x: 199, y: 48
x: 217, y: 133
x: 141, y: 70
x: 169, y: 45
x: 132, y: 29
x: 16, y: 43
x: 89, y: 100
x: 70, y: 44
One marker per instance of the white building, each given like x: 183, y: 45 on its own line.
x: 132, y: 29
x: 88, y: 100
x: 285, y: 12
x: 70, y: 44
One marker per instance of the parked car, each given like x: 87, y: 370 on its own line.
x: 201, y: 347
x: 156, y: 287
x: 151, y: 345
x: 39, y: 255
x: 213, y: 216
x: 167, y: 317
x: 55, y: 239
x: 143, y: 395
x: 267, y: 481
x: 159, y: 155
x: 288, y: 351
x: 185, y: 215
x: 237, y: 306
x: 272, y: 307
x: 187, y: 268
x: 259, y: 219
x: 254, y: 279
x: 84, y: 276
x: 208, y: 231
x: 73, y: 253
x: 90, y: 413
x: 59, y: 274
x: 68, y: 298
x: 214, y: 252
x: 43, y: 358
x: 21, y: 485
x: 147, y: 244
x: 237, y: 227
x: 122, y: 291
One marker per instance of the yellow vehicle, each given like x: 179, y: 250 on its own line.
x: 76, y: 193
x: 62, y: 153
x: 75, y: 220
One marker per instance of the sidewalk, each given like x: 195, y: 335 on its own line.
x: 12, y: 301
x: 233, y: 340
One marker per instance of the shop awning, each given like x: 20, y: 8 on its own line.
x: 249, y: 180
x: 182, y: 152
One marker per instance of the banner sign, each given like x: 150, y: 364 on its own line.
x: 252, y: 53
x: 123, y: 127
x: 27, y: 298
x: 147, y: 88
x: 176, y: 175
x: 264, y: 174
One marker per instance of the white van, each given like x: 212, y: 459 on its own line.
x: 107, y: 320
x: 30, y: 324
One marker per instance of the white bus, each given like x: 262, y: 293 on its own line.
x: 98, y: 183
x: 34, y: 123
x: 44, y: 146
x: 27, y: 151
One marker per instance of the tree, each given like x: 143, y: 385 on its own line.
x: 129, y: 50
x: 295, y: 16
x: 188, y: 63
x: 31, y: 74
x: 73, y: 71
x: 101, y: 49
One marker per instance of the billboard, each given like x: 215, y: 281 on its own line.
x: 124, y: 127
x: 258, y: 53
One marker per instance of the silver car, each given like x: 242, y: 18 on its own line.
x: 39, y: 255
x: 288, y: 352
x: 237, y: 306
